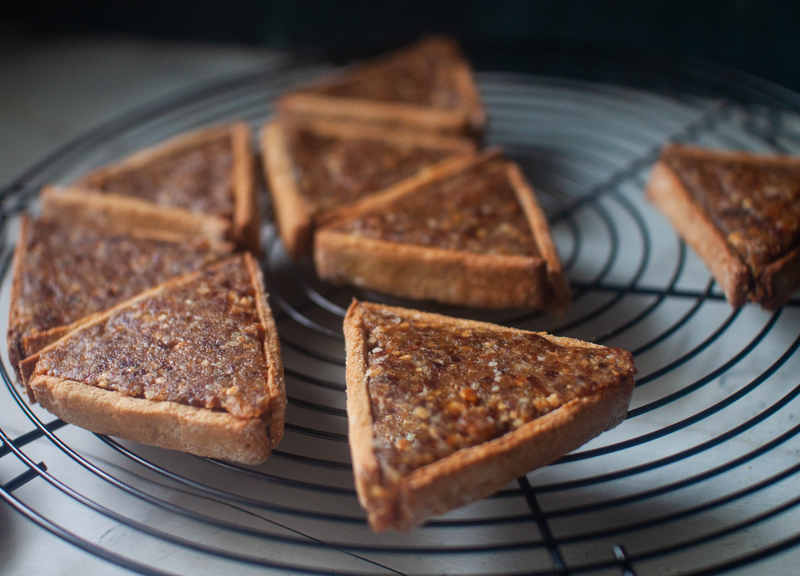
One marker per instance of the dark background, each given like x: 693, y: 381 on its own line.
x: 762, y: 38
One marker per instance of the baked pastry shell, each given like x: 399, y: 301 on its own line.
x: 472, y: 473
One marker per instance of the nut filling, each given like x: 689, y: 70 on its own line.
x: 335, y: 171
x: 475, y: 211
x: 436, y: 389
x: 199, y: 179
x: 72, y: 271
x: 758, y: 210
x: 200, y: 343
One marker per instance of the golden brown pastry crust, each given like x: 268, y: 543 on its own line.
x: 447, y: 276
x: 779, y: 281
x: 771, y: 286
x: 198, y: 431
x: 468, y: 119
x: 16, y: 350
x: 130, y: 214
x: 295, y: 216
x: 666, y: 191
x: 272, y: 351
x: 292, y: 215
x: 246, y: 230
x: 165, y: 424
x: 243, y: 227
x: 472, y: 473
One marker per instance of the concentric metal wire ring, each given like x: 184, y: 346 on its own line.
x: 663, y: 493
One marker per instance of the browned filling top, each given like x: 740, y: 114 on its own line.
x: 424, y: 79
x: 755, y: 205
x: 335, y: 171
x: 199, y: 343
x: 439, y: 388
x: 476, y: 211
x: 199, y: 178
x: 71, y: 271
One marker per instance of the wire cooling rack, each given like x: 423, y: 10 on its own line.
x: 702, y: 478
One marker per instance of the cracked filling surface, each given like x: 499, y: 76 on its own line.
x: 199, y: 343
x: 435, y: 389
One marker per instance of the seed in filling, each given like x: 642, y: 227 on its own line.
x: 71, y: 271
x: 436, y: 389
x: 755, y: 204
x: 199, y: 178
x: 475, y: 210
x: 334, y: 171
x: 200, y: 343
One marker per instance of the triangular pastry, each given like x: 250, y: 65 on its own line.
x: 192, y: 364
x: 468, y: 232
x: 427, y: 86
x: 202, y: 181
x: 315, y: 166
x: 740, y: 212
x: 64, y: 271
x: 444, y: 411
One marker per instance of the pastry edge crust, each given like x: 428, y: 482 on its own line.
x: 272, y: 350
x: 73, y: 402
x: 166, y: 424
x: 473, y: 473
x: 537, y: 220
x: 688, y: 218
x: 130, y: 214
x: 367, y: 111
x: 16, y: 330
x: 777, y: 282
x: 292, y: 214
x: 735, y: 155
x: 421, y: 273
x: 246, y: 228
x: 400, y: 135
